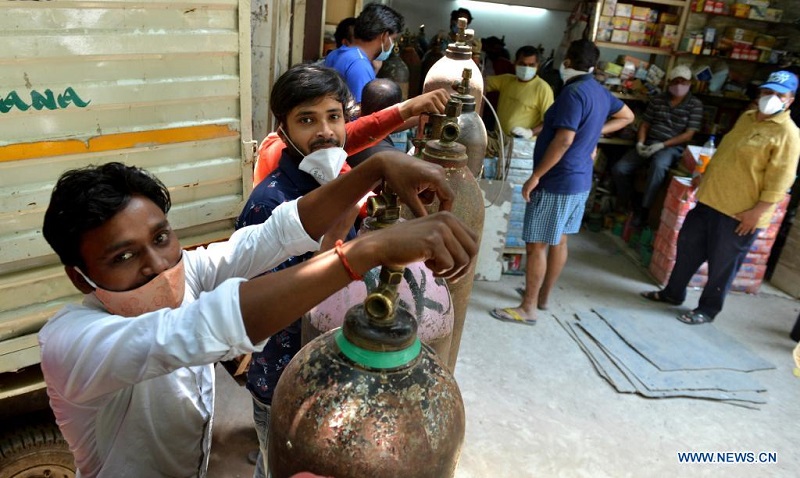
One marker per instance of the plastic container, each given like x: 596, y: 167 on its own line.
x: 706, y: 153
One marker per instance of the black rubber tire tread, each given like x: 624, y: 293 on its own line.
x: 34, y: 450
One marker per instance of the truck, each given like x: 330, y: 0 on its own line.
x: 164, y: 85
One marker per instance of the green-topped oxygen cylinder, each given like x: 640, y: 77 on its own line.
x: 368, y: 399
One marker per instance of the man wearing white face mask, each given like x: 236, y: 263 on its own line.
x: 524, y: 96
x: 375, y: 31
x: 669, y: 123
x: 753, y: 168
x: 561, y: 179
x: 308, y: 102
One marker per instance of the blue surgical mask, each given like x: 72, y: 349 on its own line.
x: 385, y: 54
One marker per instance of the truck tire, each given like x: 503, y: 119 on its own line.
x: 35, y: 451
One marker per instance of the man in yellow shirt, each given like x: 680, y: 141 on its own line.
x: 751, y: 171
x: 524, y: 97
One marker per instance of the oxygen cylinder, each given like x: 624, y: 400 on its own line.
x: 467, y: 206
x: 367, y: 400
x: 448, y: 69
x: 426, y: 296
x: 396, y: 70
x: 473, y: 131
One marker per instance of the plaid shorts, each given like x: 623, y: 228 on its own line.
x: 548, y: 216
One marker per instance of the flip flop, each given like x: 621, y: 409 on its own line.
x: 658, y: 296
x: 694, y: 317
x: 510, y: 315
x: 521, y: 292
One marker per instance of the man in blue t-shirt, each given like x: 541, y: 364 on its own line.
x: 375, y: 33
x: 558, y: 188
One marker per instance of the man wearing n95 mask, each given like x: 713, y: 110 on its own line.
x: 524, y: 96
x: 753, y: 168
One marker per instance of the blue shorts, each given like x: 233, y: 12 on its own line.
x: 548, y: 216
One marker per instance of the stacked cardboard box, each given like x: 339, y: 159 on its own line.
x: 786, y: 275
x: 519, y: 170
x: 679, y: 201
x: 636, y: 25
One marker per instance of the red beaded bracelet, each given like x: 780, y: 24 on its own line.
x: 352, y: 273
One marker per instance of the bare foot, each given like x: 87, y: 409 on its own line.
x: 542, y: 303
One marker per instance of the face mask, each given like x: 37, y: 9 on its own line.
x: 324, y: 164
x: 526, y: 73
x: 385, y: 54
x: 770, y: 104
x: 163, y: 291
x: 569, y: 73
x: 679, y: 90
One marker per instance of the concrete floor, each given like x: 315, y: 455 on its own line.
x: 536, y: 407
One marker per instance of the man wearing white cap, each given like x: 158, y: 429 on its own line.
x: 668, y: 124
x: 754, y: 166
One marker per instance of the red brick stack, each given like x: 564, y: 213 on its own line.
x: 680, y: 199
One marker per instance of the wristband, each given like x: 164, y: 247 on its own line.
x: 352, y: 273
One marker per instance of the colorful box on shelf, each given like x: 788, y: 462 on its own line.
x: 609, y: 7
x: 604, y: 34
x: 619, y: 36
x: 637, y: 26
x: 637, y: 62
x: 668, y: 18
x: 612, y: 69
x: 640, y: 13
x: 621, y: 23
x: 740, y: 10
x: 640, y: 39
x: 764, y: 42
x: 666, y: 36
x: 758, y: 9
x: 605, y: 22
x: 738, y: 35
x: 774, y: 15
x: 655, y: 74
x: 623, y: 10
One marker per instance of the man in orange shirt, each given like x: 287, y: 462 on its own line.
x: 361, y: 134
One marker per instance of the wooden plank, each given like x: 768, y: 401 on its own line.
x: 19, y: 353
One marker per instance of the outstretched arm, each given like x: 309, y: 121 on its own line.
x: 440, y: 240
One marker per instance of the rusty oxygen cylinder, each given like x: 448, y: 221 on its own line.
x: 426, y: 296
x: 448, y: 68
x: 467, y: 206
x: 395, y: 69
x: 473, y: 131
x: 367, y: 400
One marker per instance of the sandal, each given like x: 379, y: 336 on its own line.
x: 510, y: 315
x: 694, y: 317
x: 658, y: 296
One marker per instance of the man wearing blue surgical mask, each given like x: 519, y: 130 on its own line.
x: 750, y: 173
x: 524, y: 96
x: 375, y: 34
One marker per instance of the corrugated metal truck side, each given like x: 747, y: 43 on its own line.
x: 161, y: 85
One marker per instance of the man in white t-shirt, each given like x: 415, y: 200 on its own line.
x: 129, y: 370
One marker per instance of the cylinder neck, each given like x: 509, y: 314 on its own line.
x: 378, y: 334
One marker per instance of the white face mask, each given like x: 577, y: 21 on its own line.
x: 679, y: 90
x: 770, y: 105
x: 569, y: 73
x: 525, y: 73
x: 324, y: 164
